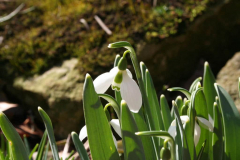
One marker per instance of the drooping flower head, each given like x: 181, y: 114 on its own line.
x: 120, y: 78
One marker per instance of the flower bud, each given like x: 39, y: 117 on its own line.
x: 122, y: 64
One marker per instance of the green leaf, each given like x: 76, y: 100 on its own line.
x: 208, y: 88
x: 41, y: 146
x: 154, y: 109
x: 98, y: 128
x: 133, y: 148
x: 190, y: 140
x: 143, y: 72
x: 18, y: 148
x: 185, y: 149
x: 210, y: 94
x: 26, y: 144
x: 184, y: 91
x: 48, y: 125
x: 202, y: 111
x: 33, y: 150
x: 217, y: 136
x: 46, y: 151
x: 194, y: 84
x: 112, y: 101
x: 167, y: 120
x: 147, y: 142
x: 231, y: 124
x: 201, y: 150
x: 79, y: 146
x: 179, y: 103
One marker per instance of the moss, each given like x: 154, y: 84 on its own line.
x: 52, y: 32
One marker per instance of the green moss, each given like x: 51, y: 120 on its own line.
x: 52, y: 32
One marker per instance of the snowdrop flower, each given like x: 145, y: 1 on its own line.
x: 121, y: 80
x: 197, y: 131
x: 114, y: 123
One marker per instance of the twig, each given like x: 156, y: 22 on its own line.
x: 84, y: 22
x: 104, y: 27
x: 15, y: 12
x: 66, y: 148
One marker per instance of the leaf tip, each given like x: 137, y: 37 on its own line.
x: 142, y: 64
x: 39, y: 108
x: 206, y: 64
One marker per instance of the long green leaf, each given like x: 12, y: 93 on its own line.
x: 41, y: 146
x: 194, y: 84
x: 18, y: 149
x: 46, y: 151
x: 167, y: 120
x: 202, y: 111
x: 190, y: 140
x: 79, y: 146
x: 147, y: 142
x: 210, y: 94
x: 26, y: 144
x: 98, y: 128
x: 33, y: 150
x: 231, y: 124
x: 133, y: 148
x: 217, y: 137
x: 185, y: 149
x: 48, y: 125
x: 184, y: 91
x: 154, y: 109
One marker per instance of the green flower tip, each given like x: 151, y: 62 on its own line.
x: 216, y: 98
x: 117, y: 56
x: 147, y: 71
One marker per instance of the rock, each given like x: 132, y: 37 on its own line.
x: 213, y: 37
x: 58, y: 91
x: 228, y: 78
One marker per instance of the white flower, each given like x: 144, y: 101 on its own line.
x: 114, y: 123
x: 129, y: 89
x: 197, y: 131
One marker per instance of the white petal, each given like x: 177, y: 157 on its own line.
x: 197, y: 133
x: 210, y: 119
x: 172, y: 131
x: 205, y: 123
x: 114, y: 71
x: 102, y: 82
x: 173, y: 123
x: 116, y: 126
x: 83, y: 133
x: 129, y: 73
x: 130, y: 92
x: 184, y: 119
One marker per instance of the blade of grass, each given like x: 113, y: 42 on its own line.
x: 49, y: 128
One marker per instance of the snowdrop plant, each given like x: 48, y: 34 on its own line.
x: 203, y: 126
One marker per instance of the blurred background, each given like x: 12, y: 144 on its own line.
x: 47, y: 47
